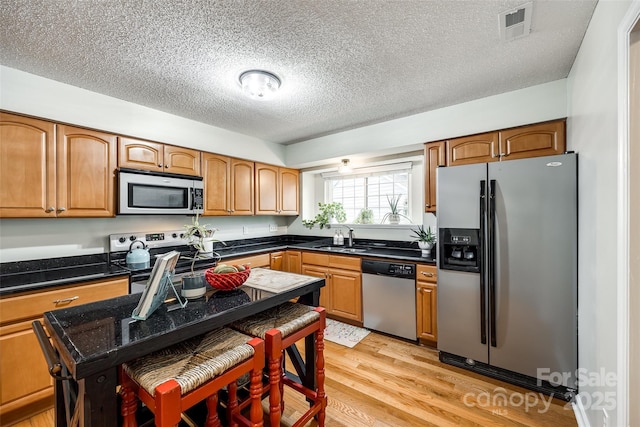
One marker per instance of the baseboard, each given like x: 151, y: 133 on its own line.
x: 578, y: 410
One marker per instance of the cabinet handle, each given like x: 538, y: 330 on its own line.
x: 427, y: 274
x: 65, y: 300
x: 159, y: 165
x: 166, y: 166
x: 62, y: 209
x: 428, y: 205
x: 50, y: 209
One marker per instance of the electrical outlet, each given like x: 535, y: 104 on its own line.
x: 605, y: 418
x: 245, y: 230
x: 273, y: 227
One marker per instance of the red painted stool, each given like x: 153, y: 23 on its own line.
x: 281, y: 327
x: 174, y: 379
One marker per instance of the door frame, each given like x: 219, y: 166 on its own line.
x: 624, y: 333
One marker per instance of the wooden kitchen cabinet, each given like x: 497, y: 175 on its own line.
x: 157, y: 157
x: 290, y: 261
x: 50, y: 170
x: 535, y: 140
x: 481, y: 148
x: 293, y: 262
x: 434, y: 156
x: 543, y: 139
x: 277, y: 190
x: 23, y: 395
x: 228, y: 185
x: 261, y: 260
x: 427, y: 303
x: 342, y: 294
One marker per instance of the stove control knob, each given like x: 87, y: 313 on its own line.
x: 122, y: 239
x: 132, y: 238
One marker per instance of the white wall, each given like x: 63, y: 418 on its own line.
x: 27, y: 239
x: 33, y: 95
x: 592, y: 132
x: 530, y: 105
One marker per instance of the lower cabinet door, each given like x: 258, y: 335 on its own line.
x: 346, y: 294
x: 26, y: 383
x: 427, y: 306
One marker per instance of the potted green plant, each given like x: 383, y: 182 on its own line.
x: 328, y: 211
x: 394, y: 215
x: 365, y: 216
x: 200, y: 236
x: 425, y: 238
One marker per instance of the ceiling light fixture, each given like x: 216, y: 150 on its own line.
x: 259, y: 84
x: 344, y: 167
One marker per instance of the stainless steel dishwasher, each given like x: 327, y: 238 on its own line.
x: 389, y: 297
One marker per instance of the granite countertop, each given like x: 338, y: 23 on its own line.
x: 38, y: 274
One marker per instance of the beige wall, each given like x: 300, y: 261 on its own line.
x: 634, y: 227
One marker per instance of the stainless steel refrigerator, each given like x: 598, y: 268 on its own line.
x: 507, y: 270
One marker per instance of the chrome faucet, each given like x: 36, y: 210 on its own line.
x: 350, y: 238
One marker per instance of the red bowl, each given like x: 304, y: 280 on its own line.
x: 226, y: 281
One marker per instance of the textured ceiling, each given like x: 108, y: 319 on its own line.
x: 343, y: 63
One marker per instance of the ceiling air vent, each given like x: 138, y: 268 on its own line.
x: 516, y: 23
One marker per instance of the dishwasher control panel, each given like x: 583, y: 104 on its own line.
x: 393, y: 269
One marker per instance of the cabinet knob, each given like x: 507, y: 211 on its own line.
x: 62, y: 209
x: 166, y: 166
x: 159, y: 165
x: 50, y: 209
x: 427, y: 205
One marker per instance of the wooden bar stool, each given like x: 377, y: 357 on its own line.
x: 280, y: 328
x: 174, y: 379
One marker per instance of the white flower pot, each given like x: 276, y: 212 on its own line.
x: 426, y: 248
x: 207, y: 243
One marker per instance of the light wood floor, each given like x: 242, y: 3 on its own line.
x: 384, y: 382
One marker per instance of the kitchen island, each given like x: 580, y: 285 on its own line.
x: 92, y: 340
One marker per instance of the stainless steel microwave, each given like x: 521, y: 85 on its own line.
x: 143, y: 193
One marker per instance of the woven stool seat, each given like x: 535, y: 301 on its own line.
x: 281, y: 327
x: 193, y: 362
x: 287, y: 318
x: 187, y: 372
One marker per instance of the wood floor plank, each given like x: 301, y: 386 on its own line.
x: 386, y: 382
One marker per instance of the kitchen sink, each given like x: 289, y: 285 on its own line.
x: 341, y: 249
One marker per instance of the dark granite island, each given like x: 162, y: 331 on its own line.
x: 92, y: 340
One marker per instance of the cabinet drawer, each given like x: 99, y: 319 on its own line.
x: 315, y: 258
x: 428, y: 273
x: 262, y: 260
x: 33, y: 305
x: 345, y: 262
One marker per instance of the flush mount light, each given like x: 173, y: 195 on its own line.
x: 344, y: 167
x: 259, y: 84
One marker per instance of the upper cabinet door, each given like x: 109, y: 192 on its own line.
x: 266, y: 189
x: 434, y: 156
x: 289, y: 191
x: 184, y: 161
x: 217, y: 180
x: 86, y: 164
x: 27, y: 167
x: 544, y: 139
x: 136, y: 154
x: 480, y: 148
x: 242, y: 187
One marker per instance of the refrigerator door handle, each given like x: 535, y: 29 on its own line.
x: 483, y: 296
x: 492, y: 261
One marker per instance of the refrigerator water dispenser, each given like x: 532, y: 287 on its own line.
x: 459, y: 249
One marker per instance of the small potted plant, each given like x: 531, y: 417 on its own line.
x: 328, y: 212
x: 425, y: 238
x: 364, y: 217
x: 200, y: 236
x: 394, y: 215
